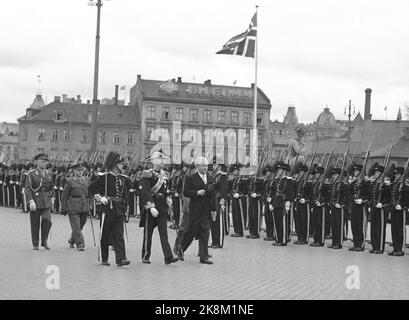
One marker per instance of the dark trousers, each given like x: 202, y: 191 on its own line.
x: 176, y: 203
x: 217, y: 227
x: 378, y: 229
x: 357, y: 224
x: 202, y: 224
x: 398, y: 229
x: 302, y: 221
x: 150, y: 224
x: 77, y: 222
x: 57, y: 201
x: 35, y: 216
x: 268, y: 218
x: 318, y: 221
x: 1, y: 195
x: 238, y: 216
x: 227, y: 217
x: 113, y: 231
x: 12, y: 196
x: 328, y: 222
x: 182, y: 227
x: 337, y: 225
x: 281, y: 224
x: 254, y: 216
x: 132, y: 204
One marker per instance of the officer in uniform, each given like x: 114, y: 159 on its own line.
x: 269, y: 172
x: 1, y: 185
x: 111, y: 189
x: 318, y: 209
x: 74, y: 200
x: 39, y: 194
x: 255, y: 192
x: 301, y: 203
x: 156, y: 200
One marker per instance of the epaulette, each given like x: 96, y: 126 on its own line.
x: 146, y: 174
x: 102, y: 173
x: 124, y: 175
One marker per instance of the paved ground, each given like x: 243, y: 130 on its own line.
x: 243, y: 269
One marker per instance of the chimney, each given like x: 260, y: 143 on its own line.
x: 79, y: 98
x: 138, y: 77
x: 367, y: 115
x: 88, y: 101
x: 57, y: 99
x: 116, y: 95
x: 208, y: 82
x: 64, y: 98
x: 179, y: 79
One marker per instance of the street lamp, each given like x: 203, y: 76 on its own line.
x: 349, y: 118
x: 95, y: 102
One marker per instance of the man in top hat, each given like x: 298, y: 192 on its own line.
x: 75, y: 202
x: 40, y: 197
x: 156, y: 199
x: 111, y: 189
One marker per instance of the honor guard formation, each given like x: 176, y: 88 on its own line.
x: 298, y: 200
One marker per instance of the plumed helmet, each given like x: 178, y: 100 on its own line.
x: 111, y: 160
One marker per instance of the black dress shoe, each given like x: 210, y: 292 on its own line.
x: 123, y: 262
x: 359, y: 249
x: 392, y: 253
x: 80, y: 249
x: 302, y: 242
x: 253, y: 236
x: 330, y: 246
x: 206, y: 261
x: 105, y: 263
x: 313, y: 244
x: 171, y: 260
x: 236, y: 235
x: 337, y: 247
x: 378, y: 252
x: 268, y: 239
x: 352, y: 249
x: 372, y: 251
x: 216, y: 247
x: 398, y: 254
x: 146, y: 261
x: 46, y: 247
x: 35, y: 248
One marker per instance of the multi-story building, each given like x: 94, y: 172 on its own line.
x: 204, y: 106
x: 64, y: 128
x: 9, y: 135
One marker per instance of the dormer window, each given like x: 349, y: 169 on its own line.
x: 59, y: 116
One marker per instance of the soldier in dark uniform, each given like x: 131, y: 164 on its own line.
x: 75, y: 202
x: 132, y: 193
x: 269, y: 178
x: 156, y: 200
x: 1, y: 185
x: 318, y: 209
x: 176, y: 191
x: 111, y: 189
x: 303, y: 185
x: 398, y: 207
x: 238, y: 212
x: 40, y: 198
x: 255, y: 192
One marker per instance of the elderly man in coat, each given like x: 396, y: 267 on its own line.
x: 199, y: 187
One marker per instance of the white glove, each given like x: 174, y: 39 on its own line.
x: 268, y: 199
x: 131, y: 190
x: 254, y: 195
x: 358, y: 201
x: 213, y: 213
x: 318, y: 204
x: 61, y: 188
x: 338, y: 206
x: 398, y: 207
x: 104, y: 200
x: 379, y: 205
x: 287, y: 205
x: 32, y: 205
x: 176, y: 194
x: 169, y: 201
x: 387, y: 182
x: 236, y: 195
x: 154, y: 212
x: 140, y: 187
x: 302, y: 200
x: 271, y: 207
x: 52, y: 202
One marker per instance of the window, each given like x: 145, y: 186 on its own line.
x: 208, y: 137
x: 41, y: 134
x: 165, y: 113
x: 151, y: 112
x: 259, y: 118
x: 59, y: 115
x: 25, y: 133
x: 89, y: 116
x: 131, y: 137
x: 247, y: 118
x: 247, y: 142
x: 67, y: 135
x: 280, y: 132
x: 149, y: 130
x: 117, y: 137
x: 84, y: 136
x: 207, y: 116
x: 234, y: 117
x: 179, y: 114
x: 260, y: 139
x: 221, y: 116
x: 102, y: 137
x: 193, y: 115
x: 54, y: 135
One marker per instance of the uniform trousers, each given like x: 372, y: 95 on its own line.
x: 254, y: 216
x: 302, y: 221
x: 238, y: 216
x: 357, y: 224
x: 43, y: 216
x: 268, y: 218
x: 77, y: 222
x: 378, y: 229
x: 281, y: 220
x: 217, y: 227
x: 398, y: 229
x: 337, y: 225
x: 318, y: 221
x: 113, y: 231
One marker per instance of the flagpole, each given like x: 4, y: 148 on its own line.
x: 255, y: 159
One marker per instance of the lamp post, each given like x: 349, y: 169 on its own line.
x: 95, y: 101
x: 349, y: 119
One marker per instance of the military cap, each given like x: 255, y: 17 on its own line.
x: 41, y: 156
x: 357, y: 167
x: 336, y: 171
x: 379, y: 168
x: 112, y: 159
x: 283, y: 165
x: 319, y: 169
x: 399, y: 170
x: 77, y: 165
x: 266, y: 168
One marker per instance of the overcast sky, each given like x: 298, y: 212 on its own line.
x: 311, y: 53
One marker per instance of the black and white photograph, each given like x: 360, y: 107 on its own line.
x: 217, y: 152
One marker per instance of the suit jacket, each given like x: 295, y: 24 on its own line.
x: 199, y: 206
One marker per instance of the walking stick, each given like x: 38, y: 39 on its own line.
x: 99, y: 238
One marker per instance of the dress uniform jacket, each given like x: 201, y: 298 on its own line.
x: 75, y: 196
x: 39, y: 188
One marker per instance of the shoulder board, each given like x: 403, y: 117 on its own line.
x: 102, y: 173
x: 124, y: 175
x: 146, y: 174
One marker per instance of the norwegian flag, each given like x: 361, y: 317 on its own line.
x: 243, y: 44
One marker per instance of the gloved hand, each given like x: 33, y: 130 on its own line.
x: 358, y: 201
x: 398, y: 207
x: 318, y: 204
x: 52, y: 202
x: 271, y: 207
x: 104, y: 200
x: 254, y: 195
x: 338, y: 206
x: 176, y: 194
x: 169, y: 201
x: 236, y: 195
x: 379, y: 205
x: 302, y: 200
x: 131, y: 190
x: 287, y: 205
x: 268, y: 199
x: 222, y: 202
x: 32, y: 205
x: 154, y: 212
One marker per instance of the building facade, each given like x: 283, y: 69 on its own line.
x: 64, y: 128
x: 9, y: 137
x: 211, y: 109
